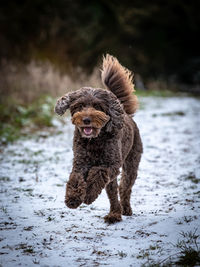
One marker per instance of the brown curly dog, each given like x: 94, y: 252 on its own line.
x: 106, y: 138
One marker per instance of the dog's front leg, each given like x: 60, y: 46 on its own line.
x: 96, y: 180
x: 75, y: 190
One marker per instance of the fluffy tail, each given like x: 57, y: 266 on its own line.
x: 119, y: 81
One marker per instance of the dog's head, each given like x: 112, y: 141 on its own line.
x: 92, y: 111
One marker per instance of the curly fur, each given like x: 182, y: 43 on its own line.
x: 119, y: 80
x: 105, y: 139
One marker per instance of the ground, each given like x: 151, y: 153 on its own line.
x: 36, y: 228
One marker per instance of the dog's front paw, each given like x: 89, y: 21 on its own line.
x: 113, y: 217
x: 126, y: 210
x: 96, y: 181
x: 75, y: 191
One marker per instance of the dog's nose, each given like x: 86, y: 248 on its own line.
x: 86, y: 120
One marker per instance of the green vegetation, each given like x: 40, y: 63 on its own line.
x: 192, y: 177
x: 122, y: 254
x: 14, y: 117
x: 26, y: 249
x: 188, y: 252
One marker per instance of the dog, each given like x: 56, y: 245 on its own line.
x: 106, y: 138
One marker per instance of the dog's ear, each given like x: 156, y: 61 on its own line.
x: 64, y: 103
x: 116, y: 114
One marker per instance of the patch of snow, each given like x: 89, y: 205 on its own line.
x: 38, y: 229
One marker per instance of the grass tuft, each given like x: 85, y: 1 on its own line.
x: 188, y: 252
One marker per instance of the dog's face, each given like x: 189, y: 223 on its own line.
x: 92, y: 111
x: 89, y: 119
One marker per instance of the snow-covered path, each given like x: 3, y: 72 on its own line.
x: 37, y: 229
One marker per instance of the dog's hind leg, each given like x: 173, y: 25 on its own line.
x: 129, y: 174
x: 115, y: 208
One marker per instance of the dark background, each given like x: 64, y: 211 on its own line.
x: 156, y: 39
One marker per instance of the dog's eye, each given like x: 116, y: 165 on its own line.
x: 80, y: 106
x: 76, y: 107
x: 98, y: 107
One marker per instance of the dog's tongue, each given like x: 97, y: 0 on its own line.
x: 87, y: 130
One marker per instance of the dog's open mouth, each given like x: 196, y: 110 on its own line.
x: 87, y: 131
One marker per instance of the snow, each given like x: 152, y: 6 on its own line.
x: 38, y: 229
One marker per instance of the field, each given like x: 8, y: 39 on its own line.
x: 37, y: 229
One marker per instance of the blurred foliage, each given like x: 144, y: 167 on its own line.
x: 157, y: 39
x: 15, y: 117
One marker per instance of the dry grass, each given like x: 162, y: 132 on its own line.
x: 27, y: 82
